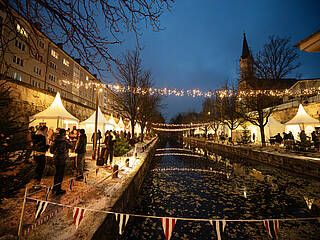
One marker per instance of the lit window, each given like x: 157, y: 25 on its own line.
x: 87, y: 78
x: 66, y: 62
x: 16, y: 76
x: 21, y: 30
x: 54, y: 54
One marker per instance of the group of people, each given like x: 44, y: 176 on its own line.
x: 59, y: 146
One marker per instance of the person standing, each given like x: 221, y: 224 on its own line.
x: 40, y: 146
x: 60, y: 149
x: 109, y: 142
x: 81, y: 150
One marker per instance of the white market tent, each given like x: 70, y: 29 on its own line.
x: 273, y: 127
x: 111, y: 121
x: 103, y: 123
x: 121, y: 124
x: 301, y: 121
x: 55, y: 116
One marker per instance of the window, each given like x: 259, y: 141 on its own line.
x: 21, y: 30
x: 18, y: 60
x: 50, y: 89
x: 64, y: 73
x: 20, y: 45
x: 37, y: 70
x: 54, y: 54
x: 16, y: 76
x: 87, y: 78
x: 63, y: 83
x: 52, y: 77
x: 35, y: 83
x: 53, y: 65
x: 39, y: 57
x: 66, y: 62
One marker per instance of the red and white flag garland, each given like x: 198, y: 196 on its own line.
x: 219, y: 227
x: 122, y: 223
x: 78, y: 214
x: 168, y: 225
x: 272, y: 227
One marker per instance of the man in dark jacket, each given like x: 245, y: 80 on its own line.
x: 60, y: 149
x: 81, y: 150
x: 109, y: 142
x: 40, y: 147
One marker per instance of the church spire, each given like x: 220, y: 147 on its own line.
x: 245, y: 49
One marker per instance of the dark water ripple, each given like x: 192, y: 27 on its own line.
x: 241, y: 190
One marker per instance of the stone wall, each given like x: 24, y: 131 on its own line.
x: 125, y: 199
x: 299, y: 165
x: 38, y: 100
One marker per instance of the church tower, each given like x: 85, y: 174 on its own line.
x: 246, y: 65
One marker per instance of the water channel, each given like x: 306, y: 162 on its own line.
x: 211, y: 187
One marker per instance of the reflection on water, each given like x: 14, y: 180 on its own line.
x: 212, y: 187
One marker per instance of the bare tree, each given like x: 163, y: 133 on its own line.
x: 277, y: 59
x: 149, y: 105
x: 87, y: 29
x: 272, y: 64
x: 130, y: 76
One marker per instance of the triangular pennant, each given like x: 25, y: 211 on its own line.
x: 41, y: 206
x: 122, y: 222
x: 168, y: 225
x: 78, y: 214
x: 48, y: 192
x: 272, y: 227
x: 219, y: 227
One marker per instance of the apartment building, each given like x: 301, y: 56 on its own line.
x: 32, y: 58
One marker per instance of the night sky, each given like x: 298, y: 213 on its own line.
x: 201, y: 44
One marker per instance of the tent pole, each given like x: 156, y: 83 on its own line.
x: 95, y: 126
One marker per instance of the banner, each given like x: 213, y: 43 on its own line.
x: 122, y: 223
x: 41, y: 206
x: 272, y: 227
x: 168, y: 225
x: 220, y: 225
x: 78, y: 214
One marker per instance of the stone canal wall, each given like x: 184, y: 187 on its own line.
x: 298, y: 164
x: 125, y: 197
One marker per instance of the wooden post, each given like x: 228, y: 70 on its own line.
x: 22, y: 213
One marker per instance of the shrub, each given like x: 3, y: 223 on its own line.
x: 121, y: 147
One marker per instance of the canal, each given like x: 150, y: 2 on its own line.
x: 191, y: 183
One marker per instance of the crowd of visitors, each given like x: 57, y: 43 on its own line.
x: 59, y: 142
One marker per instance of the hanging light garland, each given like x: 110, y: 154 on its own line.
x: 195, y: 92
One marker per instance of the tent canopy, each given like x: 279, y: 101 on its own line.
x: 92, y: 118
x: 302, y: 118
x: 55, y: 111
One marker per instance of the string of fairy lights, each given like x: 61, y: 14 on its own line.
x: 195, y: 92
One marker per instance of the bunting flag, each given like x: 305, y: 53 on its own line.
x: 78, y: 214
x: 71, y: 184
x: 48, y: 192
x: 122, y: 223
x: 168, y: 225
x: 272, y: 227
x: 41, y: 206
x: 219, y: 227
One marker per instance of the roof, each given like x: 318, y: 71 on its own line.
x: 302, y: 117
x: 92, y: 118
x: 310, y: 43
x: 55, y: 111
x: 245, y: 49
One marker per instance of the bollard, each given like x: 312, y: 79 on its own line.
x: 127, y: 162
x: 115, y: 171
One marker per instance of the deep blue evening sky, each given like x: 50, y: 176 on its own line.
x: 202, y: 42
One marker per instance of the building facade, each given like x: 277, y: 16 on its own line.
x: 30, y: 57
